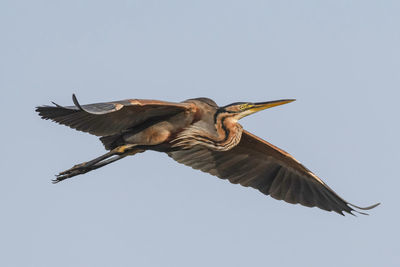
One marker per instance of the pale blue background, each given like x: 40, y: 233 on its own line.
x: 339, y: 59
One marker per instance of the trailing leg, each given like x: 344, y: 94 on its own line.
x: 114, y: 155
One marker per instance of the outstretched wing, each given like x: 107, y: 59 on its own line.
x: 258, y: 164
x: 110, y: 118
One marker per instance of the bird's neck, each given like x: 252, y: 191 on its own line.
x: 229, y: 133
x: 226, y: 135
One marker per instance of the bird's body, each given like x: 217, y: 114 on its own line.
x: 200, y: 134
x: 199, y: 124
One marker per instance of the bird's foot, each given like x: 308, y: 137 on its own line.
x: 76, y: 170
x: 114, y: 155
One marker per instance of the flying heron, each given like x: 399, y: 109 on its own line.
x: 198, y: 133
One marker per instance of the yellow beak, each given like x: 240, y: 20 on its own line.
x: 270, y: 104
x: 263, y: 105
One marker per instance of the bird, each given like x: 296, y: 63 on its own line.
x: 200, y: 134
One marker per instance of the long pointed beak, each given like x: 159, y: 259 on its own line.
x: 270, y: 104
x: 263, y: 105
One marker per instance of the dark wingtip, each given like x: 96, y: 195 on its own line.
x: 41, y: 110
x: 365, y: 208
x: 362, y: 208
x: 358, y: 212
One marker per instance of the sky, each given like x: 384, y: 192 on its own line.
x: 339, y: 59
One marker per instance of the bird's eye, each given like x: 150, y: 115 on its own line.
x: 245, y: 106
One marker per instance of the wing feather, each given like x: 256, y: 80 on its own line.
x: 109, y: 118
x: 258, y: 164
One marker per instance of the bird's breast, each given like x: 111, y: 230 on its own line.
x: 159, y: 132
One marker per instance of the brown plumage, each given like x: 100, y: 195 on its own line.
x: 202, y: 135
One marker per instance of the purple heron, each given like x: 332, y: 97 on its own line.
x: 198, y: 133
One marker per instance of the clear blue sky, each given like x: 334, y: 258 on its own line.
x: 339, y: 59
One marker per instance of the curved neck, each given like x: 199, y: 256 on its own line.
x: 229, y: 131
x: 228, y: 134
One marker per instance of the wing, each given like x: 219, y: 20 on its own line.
x: 110, y: 118
x: 258, y: 164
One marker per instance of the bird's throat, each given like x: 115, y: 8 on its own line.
x: 227, y: 135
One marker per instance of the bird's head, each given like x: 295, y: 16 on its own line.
x: 243, y: 109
